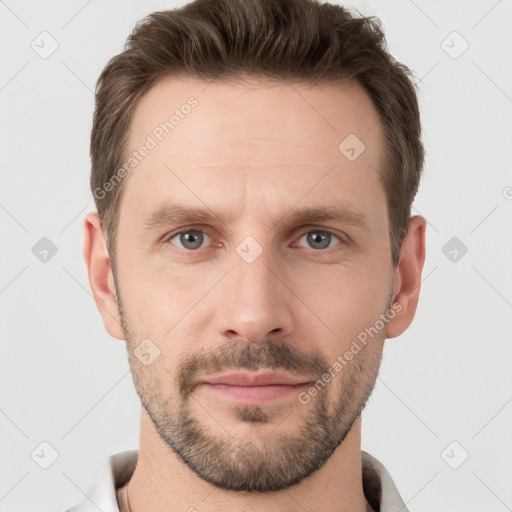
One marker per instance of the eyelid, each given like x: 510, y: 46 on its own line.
x: 185, y: 229
x: 307, y: 229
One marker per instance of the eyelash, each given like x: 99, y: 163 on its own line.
x: 310, y: 230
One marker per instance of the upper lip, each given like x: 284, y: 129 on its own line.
x: 254, y: 379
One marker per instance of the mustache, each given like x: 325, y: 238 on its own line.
x: 237, y: 355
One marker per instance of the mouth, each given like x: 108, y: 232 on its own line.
x: 245, y: 388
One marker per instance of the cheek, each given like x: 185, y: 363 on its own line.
x: 347, y: 306
x: 155, y: 298
x: 346, y: 299
x: 156, y: 378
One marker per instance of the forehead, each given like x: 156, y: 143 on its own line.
x: 253, y: 141
x: 252, y: 108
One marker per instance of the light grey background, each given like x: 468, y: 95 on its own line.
x: 66, y: 382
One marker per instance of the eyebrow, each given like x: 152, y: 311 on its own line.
x: 167, y: 214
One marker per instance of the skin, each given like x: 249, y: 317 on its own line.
x: 253, y: 152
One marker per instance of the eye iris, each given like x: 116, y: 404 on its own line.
x: 193, y: 238
x: 319, y: 237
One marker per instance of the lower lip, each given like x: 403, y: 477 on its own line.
x: 255, y: 394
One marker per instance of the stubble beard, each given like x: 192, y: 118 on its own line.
x: 269, y: 460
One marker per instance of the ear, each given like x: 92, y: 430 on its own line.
x: 100, y: 274
x: 407, y: 278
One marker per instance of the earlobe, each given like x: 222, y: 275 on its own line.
x: 407, y: 279
x: 100, y: 275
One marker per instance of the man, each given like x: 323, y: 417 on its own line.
x: 253, y: 165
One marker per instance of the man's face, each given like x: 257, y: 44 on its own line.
x: 255, y: 287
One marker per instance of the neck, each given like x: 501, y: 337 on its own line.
x: 162, y: 482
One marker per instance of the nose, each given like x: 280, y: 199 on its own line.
x: 256, y: 302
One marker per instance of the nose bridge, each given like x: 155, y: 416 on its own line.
x: 252, y: 271
x: 257, y: 302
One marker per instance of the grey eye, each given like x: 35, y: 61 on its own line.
x: 318, y: 239
x: 191, y: 239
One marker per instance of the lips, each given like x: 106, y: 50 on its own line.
x: 259, y: 379
x: 245, y: 388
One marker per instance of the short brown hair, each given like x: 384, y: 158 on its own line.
x: 297, y: 40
